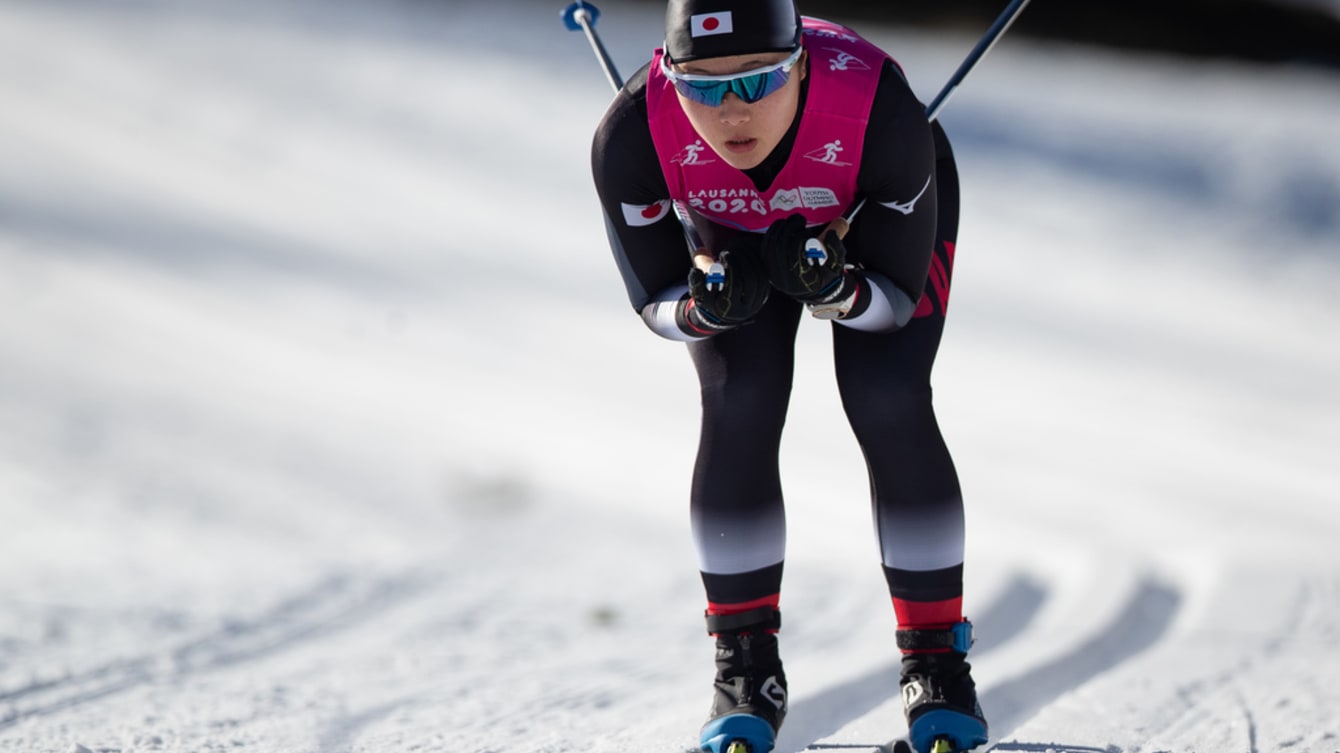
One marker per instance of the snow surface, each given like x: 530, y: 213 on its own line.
x: 327, y: 427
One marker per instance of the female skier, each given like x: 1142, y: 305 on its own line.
x: 767, y: 127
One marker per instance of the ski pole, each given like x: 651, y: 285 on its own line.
x: 582, y: 16
x: 984, y: 45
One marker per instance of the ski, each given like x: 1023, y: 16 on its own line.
x: 939, y: 745
x: 898, y: 745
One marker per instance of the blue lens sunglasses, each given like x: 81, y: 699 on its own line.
x: 750, y: 86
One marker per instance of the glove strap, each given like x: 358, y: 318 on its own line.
x: 838, y: 303
x: 696, y: 321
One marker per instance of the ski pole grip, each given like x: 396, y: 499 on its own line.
x: 839, y: 226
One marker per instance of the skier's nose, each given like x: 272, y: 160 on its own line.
x: 734, y: 111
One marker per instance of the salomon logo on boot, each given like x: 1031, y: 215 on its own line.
x: 939, y: 696
x: 749, y: 690
x: 775, y: 692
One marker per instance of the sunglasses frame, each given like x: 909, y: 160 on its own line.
x: 690, y: 84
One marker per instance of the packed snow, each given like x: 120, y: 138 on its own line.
x: 327, y: 426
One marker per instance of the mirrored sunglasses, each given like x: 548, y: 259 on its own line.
x: 750, y: 86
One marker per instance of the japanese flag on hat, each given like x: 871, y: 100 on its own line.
x: 698, y: 29
x: 707, y: 24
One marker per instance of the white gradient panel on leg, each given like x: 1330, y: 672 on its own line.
x: 730, y: 542
x: 922, y: 540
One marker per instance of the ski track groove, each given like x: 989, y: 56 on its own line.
x: 331, y: 604
x: 1193, y: 694
x: 1053, y: 748
x: 1250, y: 718
x: 1143, y: 621
x: 817, y: 717
x: 340, y: 734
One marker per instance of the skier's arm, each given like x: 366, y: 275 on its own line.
x: 644, y: 235
x: 893, y: 236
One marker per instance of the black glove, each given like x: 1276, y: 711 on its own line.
x: 810, y: 270
x: 730, y: 296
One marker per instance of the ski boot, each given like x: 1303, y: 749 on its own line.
x: 749, y: 700
x: 939, y: 696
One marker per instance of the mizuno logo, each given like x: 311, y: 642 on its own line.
x: 907, y: 207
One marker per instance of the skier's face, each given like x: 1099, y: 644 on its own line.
x: 744, y: 133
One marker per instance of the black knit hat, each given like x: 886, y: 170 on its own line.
x: 715, y: 28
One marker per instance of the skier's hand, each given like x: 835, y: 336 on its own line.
x: 732, y: 292
x: 808, y: 269
x: 811, y: 270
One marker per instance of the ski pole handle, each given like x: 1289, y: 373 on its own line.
x: 840, y: 225
x: 703, y: 258
x: 815, y: 253
x: 716, y: 275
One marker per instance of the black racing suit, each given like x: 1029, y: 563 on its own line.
x: 746, y: 373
